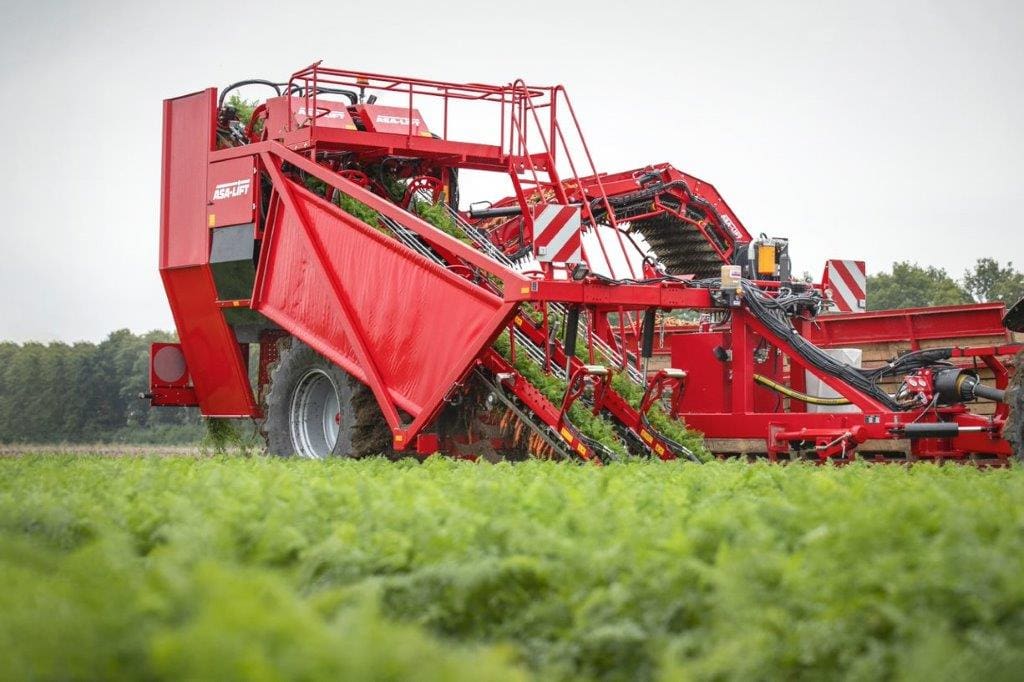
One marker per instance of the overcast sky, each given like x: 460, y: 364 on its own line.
x: 875, y: 131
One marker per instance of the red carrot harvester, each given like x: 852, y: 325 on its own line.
x: 326, y: 228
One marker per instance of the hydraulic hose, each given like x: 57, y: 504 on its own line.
x: 251, y: 81
x: 989, y: 393
x: 774, y: 313
x: 352, y: 97
x: 797, y: 395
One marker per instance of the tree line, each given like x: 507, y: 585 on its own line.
x: 88, y: 392
x: 909, y: 285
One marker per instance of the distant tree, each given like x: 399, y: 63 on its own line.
x: 29, y: 392
x: 988, y: 281
x: 7, y: 353
x: 86, y: 392
x: 911, y: 286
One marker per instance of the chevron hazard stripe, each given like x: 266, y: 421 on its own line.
x: 848, y: 281
x: 556, y: 234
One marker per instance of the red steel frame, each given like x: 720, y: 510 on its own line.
x: 834, y: 434
x: 372, y: 305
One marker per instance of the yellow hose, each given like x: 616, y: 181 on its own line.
x: 797, y: 395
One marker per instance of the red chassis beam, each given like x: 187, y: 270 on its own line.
x: 912, y: 325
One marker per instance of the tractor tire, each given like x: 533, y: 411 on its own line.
x: 314, y: 409
x: 1014, y: 430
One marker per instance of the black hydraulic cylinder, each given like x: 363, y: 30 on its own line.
x: 647, y: 338
x: 935, y: 430
x: 572, y: 323
x: 500, y: 212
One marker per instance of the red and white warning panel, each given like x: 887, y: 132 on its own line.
x: 556, y: 234
x: 846, y: 281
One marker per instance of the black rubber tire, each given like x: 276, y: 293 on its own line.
x: 1014, y: 431
x: 361, y: 428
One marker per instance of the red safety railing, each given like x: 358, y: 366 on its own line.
x: 308, y: 81
x: 554, y: 140
x: 519, y: 107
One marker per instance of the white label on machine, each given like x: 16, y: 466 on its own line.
x: 819, y: 389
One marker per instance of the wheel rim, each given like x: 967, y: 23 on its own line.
x: 315, y: 415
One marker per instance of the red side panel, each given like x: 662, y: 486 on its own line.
x: 338, y: 284
x: 708, y: 384
x: 908, y: 325
x: 397, y: 120
x: 232, y: 192
x: 212, y: 353
x: 188, y: 139
x: 288, y: 113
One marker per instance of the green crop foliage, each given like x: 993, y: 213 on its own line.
x: 263, y: 568
x: 438, y: 216
x: 634, y: 394
x: 243, y: 107
x: 590, y: 425
x: 660, y: 418
x: 358, y: 209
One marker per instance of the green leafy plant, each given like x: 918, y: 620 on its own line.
x: 660, y: 419
x: 590, y: 425
x: 438, y: 216
x: 228, y: 568
x: 243, y: 107
x: 224, y: 436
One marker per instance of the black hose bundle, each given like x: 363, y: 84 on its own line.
x: 911, y: 362
x: 775, y: 313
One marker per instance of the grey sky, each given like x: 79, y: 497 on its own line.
x: 876, y: 131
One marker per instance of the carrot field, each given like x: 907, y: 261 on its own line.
x: 218, y: 568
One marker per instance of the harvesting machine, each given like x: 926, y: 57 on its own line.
x: 324, y: 235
